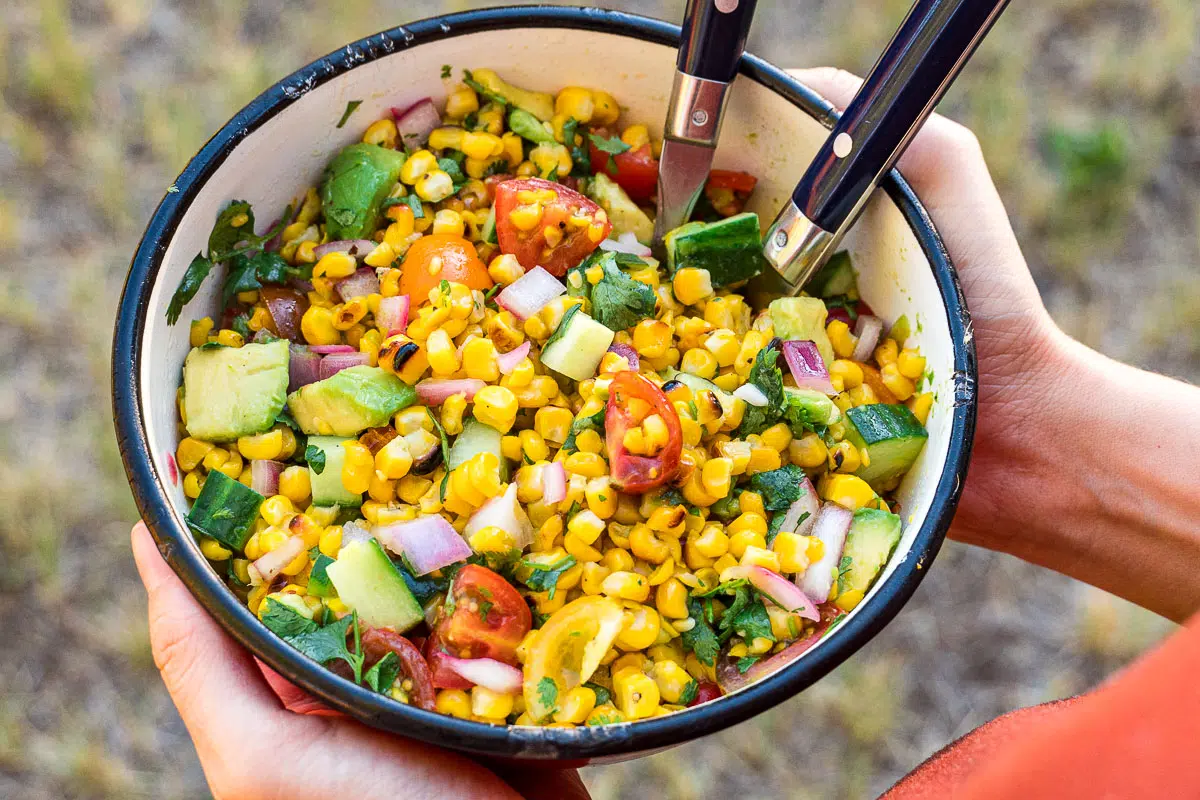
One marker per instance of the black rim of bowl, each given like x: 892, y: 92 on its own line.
x: 517, y: 742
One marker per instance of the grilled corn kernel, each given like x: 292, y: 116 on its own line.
x: 199, y: 330
x: 604, y: 108
x: 434, y: 186
x: 761, y: 557
x: 671, y: 599
x: 848, y: 491
x: 417, y: 166
x: 504, y: 269
x: 452, y: 413
x: 357, y: 467
x: 586, y: 526
x: 294, y: 484
x: 691, y: 285
x: 639, y: 628
x: 841, y: 338
x: 230, y: 338
x: 575, y: 101
x: 601, y: 497
x: 382, y: 132
x: 331, y: 541
x: 627, y: 586
x: 808, y: 451
x: 844, y: 457
x: 191, y: 453
x: 651, y: 338
x: 575, y: 705
x: 636, y: 694
x: 317, y: 326
x: 672, y: 679
x: 910, y: 363
x: 443, y: 356
x: 887, y: 352
x: 551, y: 159
x: 493, y: 705
x: 763, y: 459
x: 792, y: 550
x: 335, y: 265
x: 712, y: 542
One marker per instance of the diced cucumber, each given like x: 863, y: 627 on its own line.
x: 815, y: 407
x: 892, y: 437
x: 368, y: 582
x: 527, y: 126
x: 625, y: 215
x: 730, y: 249
x: 577, y: 346
x: 327, y: 488
x: 225, y: 510
x: 869, y: 544
x: 488, y: 232
x: 698, y: 384
x: 319, y: 584
x: 836, y: 278
x: 476, y: 437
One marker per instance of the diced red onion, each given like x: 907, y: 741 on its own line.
x: 626, y: 243
x: 554, y: 483
x: 867, y: 329
x: 428, y: 543
x: 362, y: 283
x: 530, y: 293
x: 334, y: 363
x: 794, y: 519
x: 262, y: 335
x: 271, y: 564
x: 434, y: 392
x: 628, y: 353
x: 807, y: 366
x: 416, y: 122
x: 730, y: 678
x: 751, y: 394
x: 352, y: 247
x: 486, y: 672
x: 326, y: 349
x: 507, y: 362
x: 264, y: 476
x: 304, y: 367
x: 776, y: 588
x: 504, y: 512
x: 831, y: 527
x: 392, y: 316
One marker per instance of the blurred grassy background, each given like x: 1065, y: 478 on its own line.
x: 1089, y: 113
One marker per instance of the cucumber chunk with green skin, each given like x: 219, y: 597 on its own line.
x: 319, y: 584
x: 225, y: 510
x: 873, y: 536
x: 730, y: 249
x: 488, y: 232
x: 368, y: 582
x: 230, y: 392
x: 476, y: 437
x: 527, y: 126
x: 349, y: 402
x: 625, y: 215
x: 836, y: 278
x: 327, y: 488
x: 892, y: 437
x: 577, y: 346
x: 357, y: 181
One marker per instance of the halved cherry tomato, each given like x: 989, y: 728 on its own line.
x: 378, y: 642
x: 732, y: 180
x: 443, y: 676
x: 707, y: 690
x: 872, y: 378
x: 568, y: 648
x: 285, y: 307
x: 483, y: 616
x: 636, y: 170
x: 727, y: 191
x: 459, y: 263
x: 572, y: 215
x: 631, y: 473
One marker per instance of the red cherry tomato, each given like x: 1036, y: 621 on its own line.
x: 638, y: 474
x: 285, y: 307
x: 707, y: 690
x: 532, y: 247
x: 483, y: 616
x: 732, y: 180
x: 636, y: 170
x: 378, y: 642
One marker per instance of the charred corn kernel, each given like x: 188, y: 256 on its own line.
x: 434, y: 186
x: 692, y: 285
x: 808, y: 451
x: 896, y: 383
x: 792, y: 551
x: 712, y: 542
x: 448, y: 221
x: 724, y: 345
x: 453, y: 702
x: 627, y: 586
x: 760, y: 557
x: 479, y: 360
x: 671, y: 678
x: 848, y: 491
x: 331, y: 541
x: 639, y: 628
x: 700, y: 362
x: 214, y: 550
x: 636, y: 693
x: 841, y: 338
x: 317, y: 326
x: 264, y: 446
x: 553, y: 423
x: 671, y: 599
x: 844, y: 458
x: 335, y: 265
x: 443, y: 356
x: 382, y: 132
x: 647, y: 546
x: 575, y: 705
x: 230, y: 338
x: 504, y: 269
x: 497, y: 406
x: 348, y: 315
x: 198, y: 331
x: 575, y: 101
x: 651, y: 338
x: 601, y: 497
x: 920, y: 405
x: 417, y: 166
x: 586, y: 526
x: 888, y: 352
x: 357, y: 467
x: 191, y: 453
x: 910, y: 363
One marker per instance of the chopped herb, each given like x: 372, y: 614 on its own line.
x: 442, y: 488
x: 328, y: 643
x: 454, y: 169
x: 285, y: 621
x: 695, y: 412
x: 225, y: 235
x: 241, y: 326
x: 779, y: 487
x: 688, y: 695
x: 414, y: 203
x: 437, y: 423
x: 285, y: 417
x: 611, y: 145
x: 746, y: 662
x: 485, y: 608
x: 618, y: 301
x: 728, y: 587
x: 581, y: 165
x: 497, y: 167
x: 602, y: 695
x: 544, y: 577
x: 700, y: 639
x: 843, y: 302
x: 471, y: 121
x: 351, y: 107
x: 383, y: 674
x: 844, y: 566
x: 547, y: 691
x: 446, y: 71
x: 315, y: 458
x: 766, y: 376
x: 747, y: 617
x: 193, y: 276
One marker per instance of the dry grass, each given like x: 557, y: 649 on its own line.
x: 1087, y: 112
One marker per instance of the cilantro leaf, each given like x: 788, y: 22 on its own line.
x: 284, y: 621
x: 700, y: 639
x: 767, y: 377
x: 315, y: 458
x: 414, y: 203
x: 351, y: 107
x: 193, y: 276
x: 611, y: 145
x: 225, y: 235
x: 602, y: 695
x: 747, y: 617
x: 779, y: 487
x: 844, y: 566
x: 561, y: 330
x: 285, y: 417
x: 383, y: 674
x: 544, y: 577
x: 452, y: 168
x: 329, y: 644
x: 746, y: 662
x: 688, y: 695
x: 618, y: 301
x: 437, y: 423
x: 728, y: 587
x: 593, y: 423
x: 547, y: 691
x: 581, y: 164
x: 446, y: 70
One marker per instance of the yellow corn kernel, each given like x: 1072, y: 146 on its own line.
x: 724, y: 345
x: 305, y: 254
x: 434, y: 186
x: 277, y: 510
x: 808, y: 451
x: 636, y: 694
x: 575, y: 705
x: 586, y: 526
x: 553, y: 423
x: 263, y: 447
x: 496, y: 406
x: 792, y: 550
x: 760, y: 557
x: 443, y: 356
x: 627, y: 586
x: 505, y: 269
x: 639, y: 628
x: 214, y: 550
x: 651, y: 338
x: 887, y: 352
x: 479, y: 360
x: 713, y: 541
x: 841, y: 338
x: 777, y: 437
x: 920, y: 405
x: 671, y: 599
x: 698, y: 361
x: 592, y: 577
x: 454, y: 703
x: 672, y: 679
x: 526, y: 217
x: 199, y: 330
x: 715, y: 476
x: 452, y: 413
x: 896, y: 383
x: 589, y: 465
x: 910, y: 363
x: 575, y: 101
x: 394, y: 460
x: 551, y: 159
x: 844, y: 457
x: 513, y: 149
x: 604, y: 108
x: 461, y: 101
x: 493, y: 705
x: 848, y: 491
x: 331, y: 541
x: 763, y: 459
x: 691, y: 285
x: 850, y: 373
x: 230, y: 338
x: 294, y: 484
x: 417, y: 166
x: 601, y: 497
x: 748, y: 521
x: 636, y: 136
x: 191, y: 453
x: 317, y: 326
x: 382, y: 132
x: 357, y: 467
x: 335, y: 265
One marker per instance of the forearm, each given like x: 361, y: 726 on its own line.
x: 1101, y: 483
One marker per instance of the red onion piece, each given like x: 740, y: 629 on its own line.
x: 831, y: 527
x: 353, y: 247
x: 304, y: 367
x: 271, y: 564
x: 428, y: 543
x: 807, y: 367
x: 326, y: 349
x: 629, y: 354
x: 416, y: 122
x: 392, y: 316
x: 336, y: 362
x: 530, y: 293
x: 362, y: 283
x: 264, y: 476
x: 776, y: 588
x: 794, y: 519
x: 554, y: 483
x: 504, y: 512
x: 867, y: 329
x: 486, y: 672
x: 626, y: 243
x: 730, y: 678
x: 507, y: 362
x: 434, y: 392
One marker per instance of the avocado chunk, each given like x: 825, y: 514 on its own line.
x: 349, y: 402
x: 892, y: 436
x: 730, y: 249
x: 869, y: 544
x: 225, y: 510
x: 836, y: 279
x: 802, y: 319
x: 230, y: 392
x: 327, y: 487
x: 624, y: 214
x: 357, y: 181
x: 527, y: 126
x: 368, y: 582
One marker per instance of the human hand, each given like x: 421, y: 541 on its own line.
x: 250, y: 747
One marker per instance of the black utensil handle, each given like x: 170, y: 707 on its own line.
x: 922, y: 60
x: 714, y: 37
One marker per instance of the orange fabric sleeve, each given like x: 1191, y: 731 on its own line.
x: 1135, y: 736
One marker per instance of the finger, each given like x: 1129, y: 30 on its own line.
x: 549, y: 784
x: 211, y: 679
